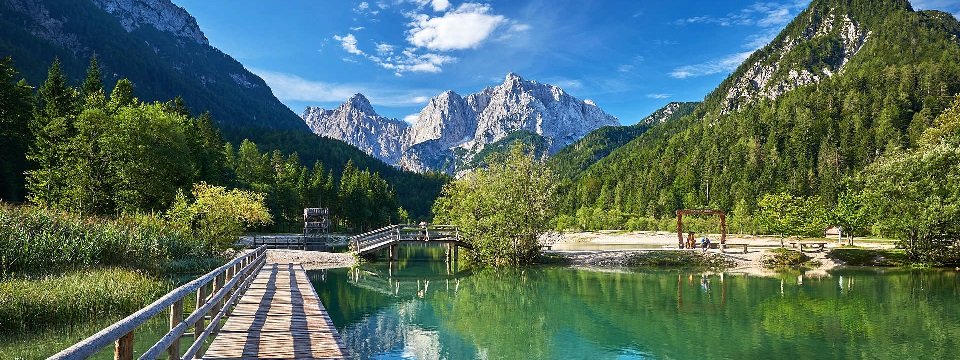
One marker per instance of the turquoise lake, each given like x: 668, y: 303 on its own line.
x: 422, y: 309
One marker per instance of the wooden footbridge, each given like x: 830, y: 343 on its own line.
x: 394, y: 235
x: 245, y: 309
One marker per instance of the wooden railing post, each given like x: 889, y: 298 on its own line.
x: 176, y: 316
x: 201, y: 299
x: 124, y: 347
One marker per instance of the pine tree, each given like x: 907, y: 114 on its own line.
x: 93, y: 83
x: 17, y: 105
x: 52, y: 127
x: 122, y: 94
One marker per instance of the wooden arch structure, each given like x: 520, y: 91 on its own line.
x: 723, y: 223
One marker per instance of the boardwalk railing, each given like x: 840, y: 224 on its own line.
x: 217, y: 292
x: 372, y: 240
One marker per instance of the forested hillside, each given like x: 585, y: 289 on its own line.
x: 851, y: 80
x: 163, y: 53
x: 599, y: 143
x: 92, y: 151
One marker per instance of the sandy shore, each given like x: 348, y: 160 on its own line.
x: 609, y: 248
x: 311, y: 260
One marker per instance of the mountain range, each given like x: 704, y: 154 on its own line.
x: 452, y: 129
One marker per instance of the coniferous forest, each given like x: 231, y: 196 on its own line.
x: 96, y: 151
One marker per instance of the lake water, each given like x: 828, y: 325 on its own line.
x: 418, y: 309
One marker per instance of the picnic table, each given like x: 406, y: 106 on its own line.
x: 818, y: 245
x: 727, y: 245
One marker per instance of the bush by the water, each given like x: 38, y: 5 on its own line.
x: 75, y: 296
x: 691, y: 259
x: 502, y: 210
x: 781, y: 257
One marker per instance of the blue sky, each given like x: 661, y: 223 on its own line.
x: 630, y: 57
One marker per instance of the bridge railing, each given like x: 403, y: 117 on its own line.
x: 433, y: 232
x: 217, y: 290
x: 358, y: 242
x: 404, y: 233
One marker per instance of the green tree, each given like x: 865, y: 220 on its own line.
x: 16, y: 108
x: 218, y: 215
x: 93, y: 83
x: 52, y: 126
x: 852, y: 214
x: 787, y: 215
x: 916, y: 195
x: 502, y: 210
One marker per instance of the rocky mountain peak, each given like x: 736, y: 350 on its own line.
x: 783, y: 65
x: 451, y: 129
x: 163, y: 15
x: 360, y: 103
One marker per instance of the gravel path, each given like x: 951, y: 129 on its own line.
x: 311, y: 260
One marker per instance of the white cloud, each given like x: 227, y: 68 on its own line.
x: 365, y: 8
x: 410, y: 119
x: 349, y: 43
x: 357, y: 28
x: 410, y: 61
x: 625, y: 68
x: 463, y: 28
x: 436, y: 5
x: 762, y: 14
x: 725, y: 64
x: 289, y: 87
x: 659, y: 96
x: 565, y: 83
x: 440, y: 5
x: 384, y: 49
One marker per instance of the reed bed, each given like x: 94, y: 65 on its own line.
x: 35, y: 240
x: 34, y: 303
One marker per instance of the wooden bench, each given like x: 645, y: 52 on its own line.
x: 819, y: 246
x: 727, y: 245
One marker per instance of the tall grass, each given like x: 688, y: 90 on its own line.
x: 35, y: 240
x: 75, y: 296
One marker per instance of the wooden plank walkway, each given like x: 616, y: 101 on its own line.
x: 279, y: 317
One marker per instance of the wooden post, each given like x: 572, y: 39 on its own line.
x: 201, y: 299
x: 176, y: 316
x: 723, y: 229
x: 124, y: 347
x: 679, y: 229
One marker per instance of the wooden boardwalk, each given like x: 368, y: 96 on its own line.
x: 279, y: 317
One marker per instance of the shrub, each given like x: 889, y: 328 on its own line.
x: 781, y: 257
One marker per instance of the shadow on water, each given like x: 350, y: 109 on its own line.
x: 418, y: 309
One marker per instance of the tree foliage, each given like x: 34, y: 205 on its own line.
x: 16, y: 108
x: 218, y: 215
x: 915, y: 195
x: 502, y: 210
x: 106, y: 155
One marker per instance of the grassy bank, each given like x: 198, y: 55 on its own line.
x: 75, y: 296
x: 58, y: 268
x: 871, y: 257
x: 35, y: 240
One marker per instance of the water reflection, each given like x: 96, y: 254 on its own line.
x: 419, y: 309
